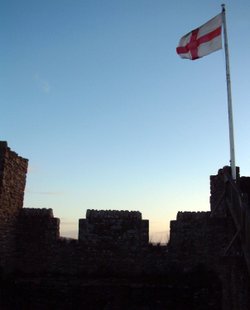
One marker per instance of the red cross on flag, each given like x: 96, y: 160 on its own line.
x: 201, y: 41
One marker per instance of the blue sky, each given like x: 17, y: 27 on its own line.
x: 94, y: 95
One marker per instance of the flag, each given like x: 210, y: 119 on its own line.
x: 201, y: 41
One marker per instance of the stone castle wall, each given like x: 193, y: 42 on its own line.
x: 114, y: 244
x: 37, y: 232
x: 192, y: 237
x: 110, y: 243
x: 116, y: 228
x: 13, y: 169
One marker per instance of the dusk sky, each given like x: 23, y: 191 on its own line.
x: 109, y: 116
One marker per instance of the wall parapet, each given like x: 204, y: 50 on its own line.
x: 114, y: 243
x: 113, y: 214
x: 33, y: 212
x: 113, y: 227
x: 192, y: 216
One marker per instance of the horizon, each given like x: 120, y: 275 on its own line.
x: 109, y: 116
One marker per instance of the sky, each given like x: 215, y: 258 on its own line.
x: 95, y: 96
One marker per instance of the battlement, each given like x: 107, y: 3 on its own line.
x: 113, y: 214
x: 114, y: 243
x: 32, y: 212
x: 192, y: 216
x: 37, y: 225
x: 113, y: 226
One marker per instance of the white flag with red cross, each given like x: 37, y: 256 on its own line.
x: 201, y: 41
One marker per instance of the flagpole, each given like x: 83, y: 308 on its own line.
x: 229, y: 97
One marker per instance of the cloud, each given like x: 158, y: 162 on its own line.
x: 42, y: 83
x: 49, y: 193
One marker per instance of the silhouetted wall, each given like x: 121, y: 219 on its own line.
x: 112, y: 261
x: 13, y: 169
x: 117, y: 228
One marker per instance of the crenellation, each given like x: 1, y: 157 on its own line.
x: 112, y: 226
x: 38, y: 225
x: 113, y: 214
x: 40, y: 212
x: 113, y: 245
x: 192, y: 216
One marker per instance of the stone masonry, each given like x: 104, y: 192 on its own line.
x: 13, y: 169
x: 117, y: 228
x: 112, y: 263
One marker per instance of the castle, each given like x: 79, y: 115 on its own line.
x: 112, y: 265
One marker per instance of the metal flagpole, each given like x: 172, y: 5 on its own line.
x: 229, y: 97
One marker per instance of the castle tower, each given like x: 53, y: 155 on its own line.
x: 13, y: 169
